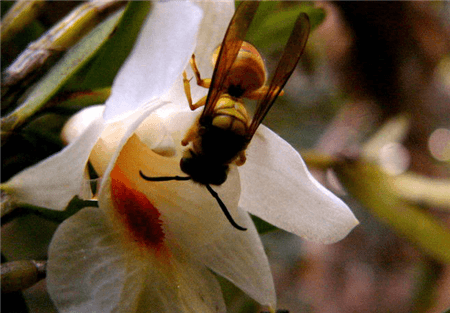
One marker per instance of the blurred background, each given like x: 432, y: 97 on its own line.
x: 369, y: 109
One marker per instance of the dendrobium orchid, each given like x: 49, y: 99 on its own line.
x: 149, y: 245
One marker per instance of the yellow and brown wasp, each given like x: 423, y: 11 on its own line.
x: 223, y: 131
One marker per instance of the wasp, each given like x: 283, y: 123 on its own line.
x: 222, y: 132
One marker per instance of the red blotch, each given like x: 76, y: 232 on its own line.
x: 138, y: 214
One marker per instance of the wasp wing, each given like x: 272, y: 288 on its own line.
x: 291, y: 55
x: 230, y: 47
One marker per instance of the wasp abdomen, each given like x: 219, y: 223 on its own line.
x: 248, y: 72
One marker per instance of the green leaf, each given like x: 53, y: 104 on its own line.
x: 433, y: 192
x: 262, y: 226
x: 373, y: 188
x: 73, y: 101
x: 272, y: 26
x: 74, y: 206
x: 100, y: 72
x: 318, y: 160
x: 51, y: 83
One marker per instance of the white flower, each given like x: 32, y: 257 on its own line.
x: 149, y: 245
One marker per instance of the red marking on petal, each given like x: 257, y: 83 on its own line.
x: 138, y: 214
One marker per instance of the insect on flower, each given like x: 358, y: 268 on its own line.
x: 223, y: 131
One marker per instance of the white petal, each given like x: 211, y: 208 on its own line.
x: 153, y: 132
x: 240, y: 257
x: 277, y: 186
x: 176, y: 121
x: 217, y: 15
x: 79, y: 122
x: 91, y: 269
x: 86, y: 266
x: 212, y: 30
x: 160, y: 54
x: 181, y: 286
x: 53, y: 182
x: 149, y: 127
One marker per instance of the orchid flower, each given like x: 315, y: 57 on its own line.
x: 149, y: 245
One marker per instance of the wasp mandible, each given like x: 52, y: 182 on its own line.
x: 223, y: 131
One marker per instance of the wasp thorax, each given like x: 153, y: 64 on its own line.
x: 228, y: 122
x: 230, y: 114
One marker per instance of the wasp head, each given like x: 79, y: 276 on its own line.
x: 202, y: 170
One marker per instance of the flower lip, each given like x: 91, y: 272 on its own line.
x: 224, y: 208
x: 208, y: 187
x: 183, y: 205
x: 138, y: 214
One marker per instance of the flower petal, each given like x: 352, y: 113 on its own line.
x: 277, y: 186
x: 79, y: 122
x: 181, y: 286
x: 240, y: 257
x: 217, y: 15
x: 53, y: 182
x: 160, y: 54
x: 86, y: 266
x: 149, y: 127
x: 214, y: 24
x: 92, y: 269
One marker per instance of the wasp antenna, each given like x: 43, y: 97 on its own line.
x: 164, y: 178
x: 224, y: 208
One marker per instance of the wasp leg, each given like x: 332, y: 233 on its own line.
x: 260, y: 93
x: 199, y: 103
x: 191, y: 134
x: 201, y: 82
x: 241, y: 158
x: 187, y: 91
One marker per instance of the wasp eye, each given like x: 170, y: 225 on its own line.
x: 186, y: 165
x: 219, y: 178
